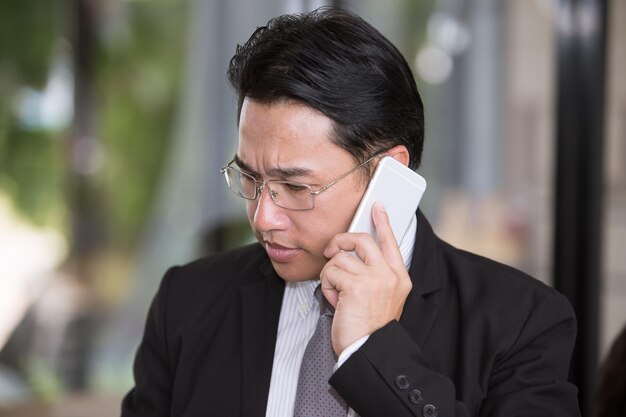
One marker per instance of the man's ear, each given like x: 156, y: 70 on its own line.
x: 400, y: 153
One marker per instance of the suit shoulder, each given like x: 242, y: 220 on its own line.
x: 231, y: 260
x: 486, y: 277
x: 507, y: 304
x: 203, y: 280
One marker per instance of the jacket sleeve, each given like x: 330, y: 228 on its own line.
x: 152, y: 369
x: 390, y: 376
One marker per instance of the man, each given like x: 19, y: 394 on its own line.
x: 419, y: 329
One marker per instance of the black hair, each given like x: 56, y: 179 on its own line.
x: 335, y: 62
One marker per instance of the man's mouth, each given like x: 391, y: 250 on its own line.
x: 279, y: 253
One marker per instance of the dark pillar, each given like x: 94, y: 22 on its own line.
x: 84, y: 196
x: 581, y: 39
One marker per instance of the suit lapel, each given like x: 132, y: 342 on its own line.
x: 419, y: 312
x: 261, y: 301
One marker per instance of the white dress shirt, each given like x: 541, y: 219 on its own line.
x: 298, y: 318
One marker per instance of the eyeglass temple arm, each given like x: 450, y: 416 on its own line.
x: 330, y: 184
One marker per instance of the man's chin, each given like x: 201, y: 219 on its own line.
x: 293, y: 272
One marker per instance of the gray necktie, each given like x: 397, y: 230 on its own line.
x: 315, y: 397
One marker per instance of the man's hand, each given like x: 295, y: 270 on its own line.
x: 367, y: 293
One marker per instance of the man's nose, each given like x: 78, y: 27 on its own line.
x: 268, y: 216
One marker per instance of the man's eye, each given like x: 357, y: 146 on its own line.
x: 249, y: 177
x: 246, y: 178
x: 296, y: 187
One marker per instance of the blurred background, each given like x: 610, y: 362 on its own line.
x: 115, y: 117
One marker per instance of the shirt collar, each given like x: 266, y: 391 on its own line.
x: 408, y: 242
x: 303, y: 293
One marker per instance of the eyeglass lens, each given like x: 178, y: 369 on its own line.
x: 284, y: 193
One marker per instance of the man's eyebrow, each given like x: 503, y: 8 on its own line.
x: 243, y: 165
x: 276, y: 172
x: 288, y: 172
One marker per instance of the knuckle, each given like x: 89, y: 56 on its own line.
x: 343, y: 255
x: 407, y: 286
x: 364, y: 237
x: 332, y: 269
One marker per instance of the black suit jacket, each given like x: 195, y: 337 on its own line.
x: 476, y: 338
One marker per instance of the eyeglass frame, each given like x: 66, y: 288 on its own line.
x: 260, y: 185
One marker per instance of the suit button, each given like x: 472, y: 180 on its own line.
x: 429, y: 410
x: 415, y: 396
x: 402, y: 382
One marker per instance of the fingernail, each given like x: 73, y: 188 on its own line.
x: 380, y: 206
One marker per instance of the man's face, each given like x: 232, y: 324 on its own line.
x: 291, y: 141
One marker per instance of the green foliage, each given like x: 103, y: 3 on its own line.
x: 44, y: 380
x: 30, y: 167
x: 28, y: 29
x: 32, y: 175
x: 138, y: 50
x: 137, y: 87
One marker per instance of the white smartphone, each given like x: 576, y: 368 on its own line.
x: 399, y: 188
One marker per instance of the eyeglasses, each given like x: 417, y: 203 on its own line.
x: 286, y: 194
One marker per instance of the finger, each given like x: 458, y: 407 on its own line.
x: 333, y: 277
x: 333, y: 280
x: 348, y: 262
x: 332, y: 296
x: 361, y: 243
x: 386, y: 238
x: 342, y: 242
